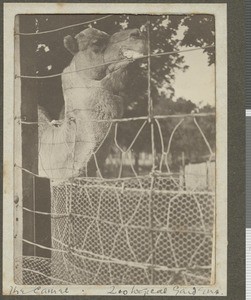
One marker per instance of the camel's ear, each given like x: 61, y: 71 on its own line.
x: 71, y: 44
x: 92, y: 37
x: 82, y: 41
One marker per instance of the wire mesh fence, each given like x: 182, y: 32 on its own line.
x: 133, y: 222
x: 133, y: 231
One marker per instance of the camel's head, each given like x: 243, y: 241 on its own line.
x: 90, y: 39
x: 129, y: 43
x: 94, y: 47
x: 88, y: 48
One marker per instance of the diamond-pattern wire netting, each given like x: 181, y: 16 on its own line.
x: 134, y: 231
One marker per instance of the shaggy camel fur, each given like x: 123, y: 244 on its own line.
x: 66, y: 146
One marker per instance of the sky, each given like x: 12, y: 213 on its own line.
x: 197, y: 83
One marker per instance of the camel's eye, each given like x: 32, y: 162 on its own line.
x: 97, y: 42
x: 135, y: 34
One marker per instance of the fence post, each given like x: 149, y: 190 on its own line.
x: 29, y: 133
x: 18, y: 191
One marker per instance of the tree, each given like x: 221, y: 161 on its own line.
x: 187, y: 137
x: 200, y: 32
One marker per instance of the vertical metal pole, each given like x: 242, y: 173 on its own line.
x: 183, y: 170
x: 150, y: 102
x: 151, y: 121
x: 207, y: 175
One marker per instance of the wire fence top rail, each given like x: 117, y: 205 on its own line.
x: 24, y: 121
x: 115, y: 61
x: 64, y: 27
x: 121, y: 188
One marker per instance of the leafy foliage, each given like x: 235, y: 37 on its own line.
x: 200, y: 32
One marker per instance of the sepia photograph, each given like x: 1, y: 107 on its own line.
x: 117, y: 129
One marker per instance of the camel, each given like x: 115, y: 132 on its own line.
x: 69, y: 147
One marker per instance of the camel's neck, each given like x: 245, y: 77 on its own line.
x: 81, y: 76
x: 88, y: 64
x: 77, y: 89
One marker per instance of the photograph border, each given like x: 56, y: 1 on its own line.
x: 232, y: 139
